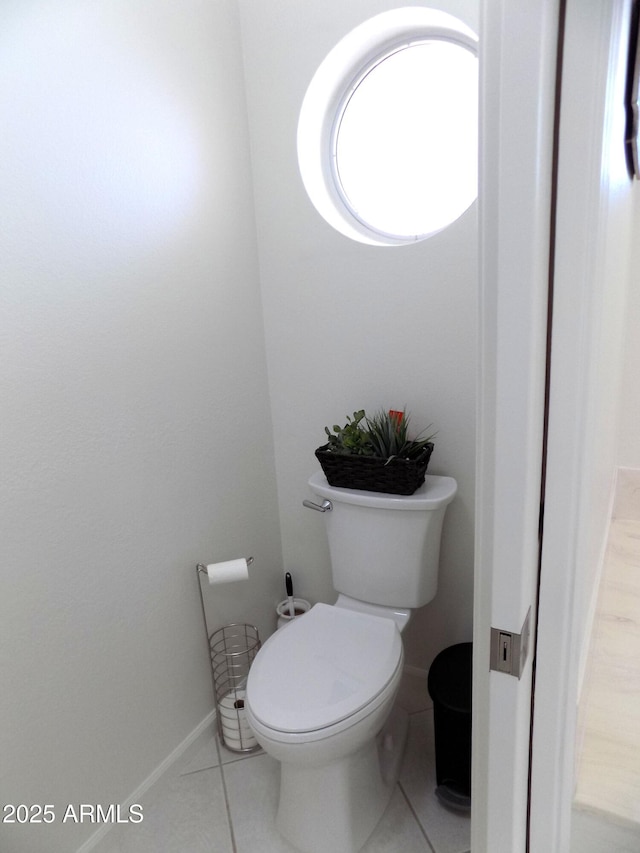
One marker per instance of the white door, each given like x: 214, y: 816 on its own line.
x: 518, y: 47
x: 587, y: 261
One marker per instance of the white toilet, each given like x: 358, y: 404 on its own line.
x: 320, y: 694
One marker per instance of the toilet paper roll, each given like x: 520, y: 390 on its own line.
x: 236, y: 732
x: 228, y: 571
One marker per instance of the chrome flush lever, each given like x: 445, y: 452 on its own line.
x: 325, y: 506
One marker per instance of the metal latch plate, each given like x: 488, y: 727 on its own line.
x: 509, y: 651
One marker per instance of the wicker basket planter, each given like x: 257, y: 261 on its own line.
x: 373, y: 474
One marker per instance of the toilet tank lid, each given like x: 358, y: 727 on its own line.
x: 434, y: 493
x: 322, y: 668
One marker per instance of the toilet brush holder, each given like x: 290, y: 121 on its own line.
x: 300, y: 607
x: 233, y: 649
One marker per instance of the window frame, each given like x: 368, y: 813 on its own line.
x: 329, y: 92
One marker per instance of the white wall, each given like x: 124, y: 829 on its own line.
x: 629, y: 438
x: 604, y: 287
x: 351, y: 326
x: 136, y: 436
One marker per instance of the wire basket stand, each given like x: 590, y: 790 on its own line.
x: 233, y: 649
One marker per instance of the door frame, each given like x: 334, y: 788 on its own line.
x: 592, y: 252
x: 518, y: 48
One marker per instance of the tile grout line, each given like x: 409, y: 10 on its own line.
x: 218, y: 765
x: 416, y: 818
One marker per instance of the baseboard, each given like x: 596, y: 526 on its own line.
x: 627, y: 501
x: 594, y: 592
x: 200, y: 730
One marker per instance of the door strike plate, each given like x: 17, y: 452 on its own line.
x: 508, y: 650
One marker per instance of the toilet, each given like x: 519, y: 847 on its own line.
x: 321, y: 691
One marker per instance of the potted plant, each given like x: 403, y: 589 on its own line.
x: 376, y: 454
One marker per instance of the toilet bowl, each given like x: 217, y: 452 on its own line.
x: 319, y: 700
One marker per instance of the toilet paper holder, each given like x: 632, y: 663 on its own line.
x: 231, y: 652
x: 202, y: 569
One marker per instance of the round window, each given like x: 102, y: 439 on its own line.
x: 388, y: 131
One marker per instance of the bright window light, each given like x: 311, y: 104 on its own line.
x: 388, y: 153
x: 406, y: 142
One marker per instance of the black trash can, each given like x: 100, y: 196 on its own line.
x: 449, y: 686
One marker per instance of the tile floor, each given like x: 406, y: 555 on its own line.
x: 606, y: 813
x: 216, y: 801
x: 608, y: 778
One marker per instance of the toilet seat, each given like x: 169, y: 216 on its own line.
x: 323, y: 670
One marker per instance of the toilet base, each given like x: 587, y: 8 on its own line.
x: 335, y: 808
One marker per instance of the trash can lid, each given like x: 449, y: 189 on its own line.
x: 450, y: 678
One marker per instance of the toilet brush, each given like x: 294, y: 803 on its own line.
x: 289, y: 587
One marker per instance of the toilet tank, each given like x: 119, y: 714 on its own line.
x: 385, y: 549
